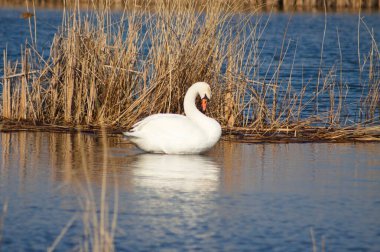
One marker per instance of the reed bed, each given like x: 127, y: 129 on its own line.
x: 245, y: 5
x: 107, y: 71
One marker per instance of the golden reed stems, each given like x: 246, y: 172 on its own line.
x: 106, y: 71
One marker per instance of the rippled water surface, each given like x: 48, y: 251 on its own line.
x: 237, y: 197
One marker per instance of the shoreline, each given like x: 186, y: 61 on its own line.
x: 306, y: 134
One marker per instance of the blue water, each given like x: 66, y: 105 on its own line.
x: 15, y: 31
x: 237, y: 197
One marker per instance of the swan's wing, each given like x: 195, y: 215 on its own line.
x: 153, y: 119
x: 164, y: 126
x: 163, y: 132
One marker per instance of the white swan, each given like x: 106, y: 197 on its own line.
x: 177, y: 134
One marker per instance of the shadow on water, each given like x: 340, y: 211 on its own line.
x: 236, y: 197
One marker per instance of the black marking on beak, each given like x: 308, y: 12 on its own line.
x: 205, y: 97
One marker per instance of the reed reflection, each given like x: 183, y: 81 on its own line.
x: 63, y: 159
x: 66, y: 159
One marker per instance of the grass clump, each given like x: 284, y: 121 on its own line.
x: 108, y: 70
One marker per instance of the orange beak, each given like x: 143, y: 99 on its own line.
x: 204, y: 104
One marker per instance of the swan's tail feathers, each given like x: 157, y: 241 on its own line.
x: 130, y: 134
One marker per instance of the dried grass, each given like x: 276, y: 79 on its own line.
x: 245, y: 5
x: 107, y: 71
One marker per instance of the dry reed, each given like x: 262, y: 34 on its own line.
x: 107, y: 71
x: 245, y: 5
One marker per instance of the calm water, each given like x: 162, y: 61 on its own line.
x: 237, y: 197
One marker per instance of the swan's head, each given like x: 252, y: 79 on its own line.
x: 204, y: 91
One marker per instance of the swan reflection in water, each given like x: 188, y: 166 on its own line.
x: 187, y: 173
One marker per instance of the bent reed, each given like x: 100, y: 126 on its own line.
x: 107, y: 70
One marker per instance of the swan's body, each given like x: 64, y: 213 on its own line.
x: 178, y: 134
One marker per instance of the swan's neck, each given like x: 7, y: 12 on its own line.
x: 208, y: 126
x: 191, y: 110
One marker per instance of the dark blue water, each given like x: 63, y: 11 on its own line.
x: 237, y: 197
x: 15, y: 31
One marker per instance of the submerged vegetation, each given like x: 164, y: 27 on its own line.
x: 109, y: 71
